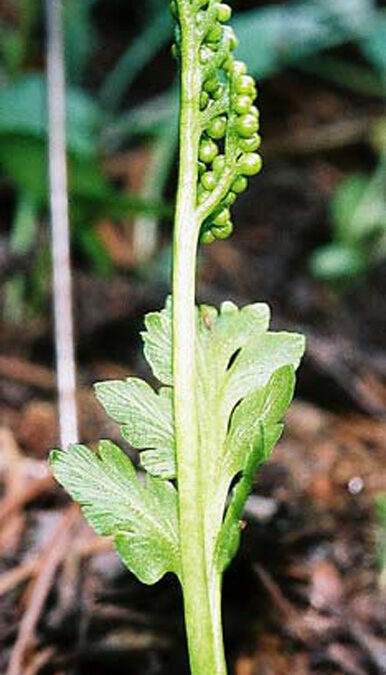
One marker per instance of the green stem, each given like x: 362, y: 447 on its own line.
x: 201, y: 588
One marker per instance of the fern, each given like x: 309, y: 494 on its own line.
x: 226, y: 380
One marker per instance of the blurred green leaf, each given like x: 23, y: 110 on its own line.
x: 23, y: 111
x: 337, y: 261
x: 11, y: 49
x: 374, y: 45
x: 358, y: 214
x: 345, y: 73
x: 359, y: 207
x: 23, y: 235
x: 95, y: 250
x: 16, y: 37
x: 344, y: 203
x: 80, y: 37
x: 24, y: 161
x: 273, y: 37
x: 378, y: 136
x: 156, y: 34
x: 148, y: 119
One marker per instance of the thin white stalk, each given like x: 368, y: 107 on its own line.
x: 62, y: 285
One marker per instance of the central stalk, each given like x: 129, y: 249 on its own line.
x: 202, y: 603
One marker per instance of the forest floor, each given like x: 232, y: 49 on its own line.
x: 305, y: 594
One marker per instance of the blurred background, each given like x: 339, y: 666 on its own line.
x: 307, y: 591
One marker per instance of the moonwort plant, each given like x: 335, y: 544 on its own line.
x: 226, y: 380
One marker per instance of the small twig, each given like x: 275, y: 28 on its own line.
x: 287, y: 610
x: 40, y: 660
x: 31, y: 492
x: 374, y: 647
x: 64, y: 338
x: 84, y: 549
x: 19, y: 490
x: 322, y: 138
x: 12, y: 578
x: 13, y: 489
x: 51, y: 559
x: 274, y: 591
x: 15, y: 368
